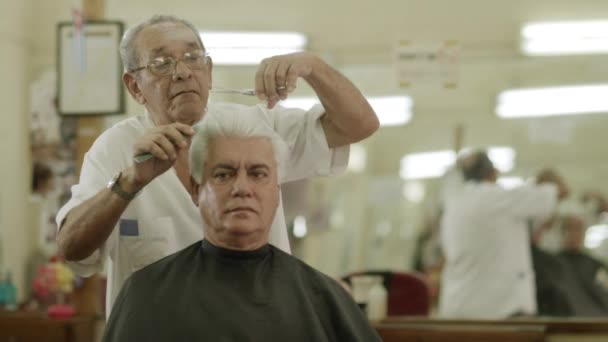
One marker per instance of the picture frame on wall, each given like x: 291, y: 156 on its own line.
x: 89, y: 68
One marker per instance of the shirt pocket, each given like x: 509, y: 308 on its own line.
x: 155, y: 240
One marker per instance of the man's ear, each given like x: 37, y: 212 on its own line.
x: 130, y: 83
x: 209, y: 71
x: 194, y: 190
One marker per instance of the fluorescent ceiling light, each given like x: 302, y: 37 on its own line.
x: 426, y: 164
x: 503, y: 158
x: 565, y: 38
x: 299, y: 102
x: 435, y: 164
x: 391, y: 110
x: 595, y: 235
x: 299, y: 227
x: 553, y: 101
x: 247, y: 48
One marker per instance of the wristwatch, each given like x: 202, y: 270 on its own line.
x: 114, y: 186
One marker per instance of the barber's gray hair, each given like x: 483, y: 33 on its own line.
x: 128, y: 52
x: 233, y: 120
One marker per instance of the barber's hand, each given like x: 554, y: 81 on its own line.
x: 551, y: 176
x: 164, y: 143
x: 277, y: 76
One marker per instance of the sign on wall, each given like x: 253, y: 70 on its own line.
x: 427, y: 63
x: 89, y: 68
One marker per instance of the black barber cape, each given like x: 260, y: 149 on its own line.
x: 207, y: 293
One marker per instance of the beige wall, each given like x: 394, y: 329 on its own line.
x: 14, y: 142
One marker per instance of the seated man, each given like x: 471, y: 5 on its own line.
x: 233, y: 285
x: 571, y: 282
x: 587, y: 278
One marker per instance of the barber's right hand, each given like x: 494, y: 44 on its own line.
x: 551, y: 176
x: 164, y: 143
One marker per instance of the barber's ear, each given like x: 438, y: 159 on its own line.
x: 130, y: 83
x: 194, y: 190
x: 209, y: 69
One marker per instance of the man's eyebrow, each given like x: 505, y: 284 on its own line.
x: 224, y: 166
x: 259, y: 166
x: 158, y: 51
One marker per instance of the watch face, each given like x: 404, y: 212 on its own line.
x: 113, y: 180
x: 114, y: 186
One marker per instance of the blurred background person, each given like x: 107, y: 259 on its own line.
x: 42, y: 228
x: 43, y: 208
x: 484, y: 235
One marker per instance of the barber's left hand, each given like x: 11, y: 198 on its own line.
x: 277, y: 76
x: 551, y: 176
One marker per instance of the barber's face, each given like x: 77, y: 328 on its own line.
x: 240, y: 193
x: 180, y: 96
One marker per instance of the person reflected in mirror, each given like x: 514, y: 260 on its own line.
x: 488, y: 272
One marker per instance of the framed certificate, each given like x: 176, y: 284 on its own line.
x: 89, y: 68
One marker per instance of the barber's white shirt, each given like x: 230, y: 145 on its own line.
x: 488, y: 272
x: 162, y: 219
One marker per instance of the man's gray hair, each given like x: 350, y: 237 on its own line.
x: 128, y: 51
x: 234, y: 120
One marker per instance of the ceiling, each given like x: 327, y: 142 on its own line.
x: 371, y: 27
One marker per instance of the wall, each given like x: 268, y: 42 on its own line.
x: 14, y: 143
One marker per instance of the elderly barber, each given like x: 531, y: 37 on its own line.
x: 145, y: 213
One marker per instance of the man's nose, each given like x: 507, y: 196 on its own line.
x: 181, y: 71
x: 242, y: 185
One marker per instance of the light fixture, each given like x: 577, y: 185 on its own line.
x: 534, y: 102
x: 299, y: 102
x: 248, y: 48
x: 564, y: 38
x: 391, y: 110
x: 595, y: 235
x: 426, y: 164
x: 299, y: 227
x: 435, y: 164
x: 503, y: 158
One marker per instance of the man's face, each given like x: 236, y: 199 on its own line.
x: 240, y: 192
x: 180, y: 96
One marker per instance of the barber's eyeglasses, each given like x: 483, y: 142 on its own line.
x: 163, y: 66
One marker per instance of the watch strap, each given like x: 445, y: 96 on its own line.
x: 115, y: 188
